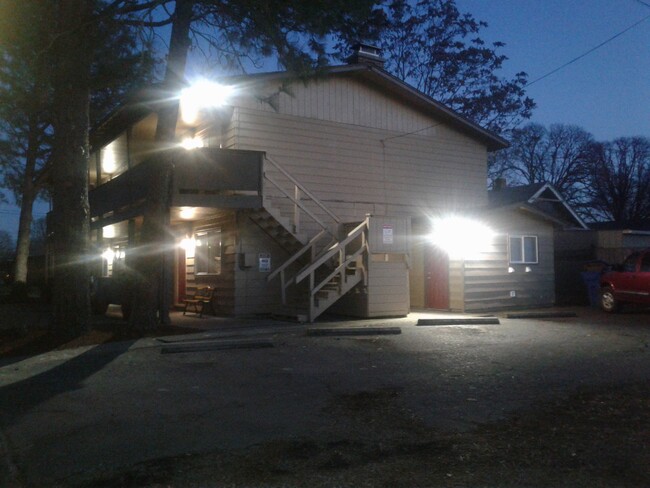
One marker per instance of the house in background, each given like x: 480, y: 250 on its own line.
x: 318, y: 193
x: 517, y: 268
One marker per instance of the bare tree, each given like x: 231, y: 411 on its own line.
x: 619, y: 180
x: 558, y: 155
x: 438, y: 49
x: 25, y: 115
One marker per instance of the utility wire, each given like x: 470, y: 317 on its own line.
x: 644, y: 3
x: 591, y: 50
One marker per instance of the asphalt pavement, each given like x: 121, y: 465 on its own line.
x: 238, y: 383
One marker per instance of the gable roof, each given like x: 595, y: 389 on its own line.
x: 541, y: 199
x: 386, y: 81
x: 150, y: 99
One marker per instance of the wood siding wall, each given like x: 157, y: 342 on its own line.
x: 387, y: 293
x: 388, y: 286
x: 253, y: 294
x: 352, y: 146
x: 487, y: 282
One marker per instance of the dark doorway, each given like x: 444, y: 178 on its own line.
x: 181, y: 275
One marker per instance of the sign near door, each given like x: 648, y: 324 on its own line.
x: 264, y: 260
x: 387, y: 234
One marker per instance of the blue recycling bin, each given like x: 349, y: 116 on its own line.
x: 591, y: 280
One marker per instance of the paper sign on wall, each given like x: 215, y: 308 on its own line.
x: 387, y: 236
x: 264, y: 260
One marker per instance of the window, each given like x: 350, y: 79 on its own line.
x: 207, y: 256
x: 523, y: 249
x: 629, y: 265
x: 645, y: 263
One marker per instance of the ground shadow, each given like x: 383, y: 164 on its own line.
x: 20, y: 397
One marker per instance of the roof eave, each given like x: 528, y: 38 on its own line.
x: 492, y: 141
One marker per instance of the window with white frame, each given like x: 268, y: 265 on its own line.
x: 207, y: 254
x: 523, y: 249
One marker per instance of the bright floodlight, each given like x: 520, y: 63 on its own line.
x: 203, y: 94
x: 190, y: 143
x: 187, y: 212
x: 109, y: 232
x: 109, y: 161
x: 460, y: 237
x: 108, y: 255
x: 189, y: 245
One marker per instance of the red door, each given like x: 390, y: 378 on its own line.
x: 437, y: 278
x: 180, y: 274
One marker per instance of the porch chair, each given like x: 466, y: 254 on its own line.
x: 201, y: 299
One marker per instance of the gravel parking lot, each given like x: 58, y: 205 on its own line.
x: 528, y: 402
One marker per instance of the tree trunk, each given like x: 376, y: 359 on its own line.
x: 71, y: 304
x: 26, y: 205
x: 155, y: 260
x: 24, y: 235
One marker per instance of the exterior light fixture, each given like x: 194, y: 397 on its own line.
x: 190, y: 143
x: 187, y: 213
x: 511, y: 269
x: 109, y: 162
x: 109, y: 255
x: 108, y: 232
x: 461, y: 237
x: 188, y: 244
x: 201, y: 95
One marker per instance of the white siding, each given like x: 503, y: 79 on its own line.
x: 487, y: 281
x: 353, y: 145
x: 388, y: 286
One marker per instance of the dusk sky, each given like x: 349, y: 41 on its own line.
x: 606, y: 92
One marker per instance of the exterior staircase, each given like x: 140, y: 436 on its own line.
x: 276, y: 226
x: 320, y: 270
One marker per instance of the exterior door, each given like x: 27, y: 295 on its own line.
x: 437, y: 278
x: 180, y: 275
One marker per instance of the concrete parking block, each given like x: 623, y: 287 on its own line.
x: 215, y: 346
x: 540, y: 315
x: 460, y: 321
x: 353, y: 331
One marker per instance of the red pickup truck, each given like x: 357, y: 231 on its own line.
x: 628, y: 283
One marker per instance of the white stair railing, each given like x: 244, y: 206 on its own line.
x: 294, y: 193
x: 344, y: 259
x: 337, y: 255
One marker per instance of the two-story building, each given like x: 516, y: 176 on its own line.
x: 315, y: 193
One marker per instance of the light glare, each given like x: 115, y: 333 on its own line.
x: 187, y: 212
x: 108, y: 232
x: 190, y: 143
x: 109, y: 255
x: 189, y: 245
x: 109, y: 162
x: 460, y: 237
x: 202, y: 94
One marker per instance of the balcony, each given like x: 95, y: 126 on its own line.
x: 204, y: 177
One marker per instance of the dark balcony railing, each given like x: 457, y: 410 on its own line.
x: 205, y: 177
x: 218, y: 178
